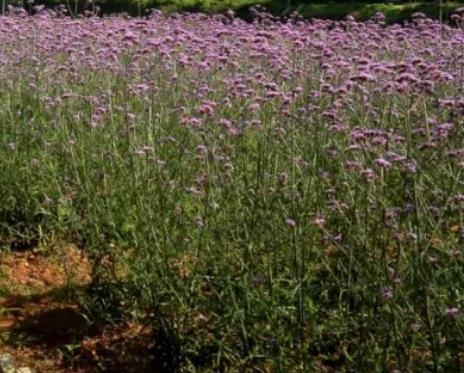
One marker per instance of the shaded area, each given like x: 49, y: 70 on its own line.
x: 43, y: 326
x: 55, y: 327
x: 46, y: 325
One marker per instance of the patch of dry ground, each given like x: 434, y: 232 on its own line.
x: 43, y: 328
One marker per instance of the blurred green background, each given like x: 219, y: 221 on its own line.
x: 362, y: 9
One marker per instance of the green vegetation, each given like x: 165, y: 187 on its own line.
x: 393, y: 12
x: 334, y: 10
x: 285, y: 197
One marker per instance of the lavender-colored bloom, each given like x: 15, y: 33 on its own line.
x: 415, y: 326
x: 386, y: 293
x: 319, y: 222
x: 452, y: 312
x: 290, y: 223
x: 368, y: 174
x: 253, y: 107
x: 410, y: 167
x: 382, y: 163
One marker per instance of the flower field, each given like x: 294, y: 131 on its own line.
x: 275, y: 196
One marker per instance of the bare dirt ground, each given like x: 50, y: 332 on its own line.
x: 43, y: 328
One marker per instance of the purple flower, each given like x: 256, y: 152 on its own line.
x: 290, y: 223
x: 386, y: 293
x: 253, y: 106
x: 452, y: 312
x: 382, y: 163
x: 415, y: 326
x: 318, y: 222
x: 368, y: 174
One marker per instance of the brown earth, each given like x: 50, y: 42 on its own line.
x: 42, y: 327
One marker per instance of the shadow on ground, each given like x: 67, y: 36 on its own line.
x: 43, y: 327
x: 49, y: 326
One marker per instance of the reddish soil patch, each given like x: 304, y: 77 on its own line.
x: 40, y: 272
x: 43, y: 328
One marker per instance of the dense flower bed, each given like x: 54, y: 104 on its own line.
x: 275, y: 195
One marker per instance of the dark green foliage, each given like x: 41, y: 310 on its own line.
x: 335, y: 9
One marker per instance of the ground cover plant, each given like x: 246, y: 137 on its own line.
x: 266, y: 196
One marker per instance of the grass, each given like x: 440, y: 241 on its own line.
x: 244, y: 189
